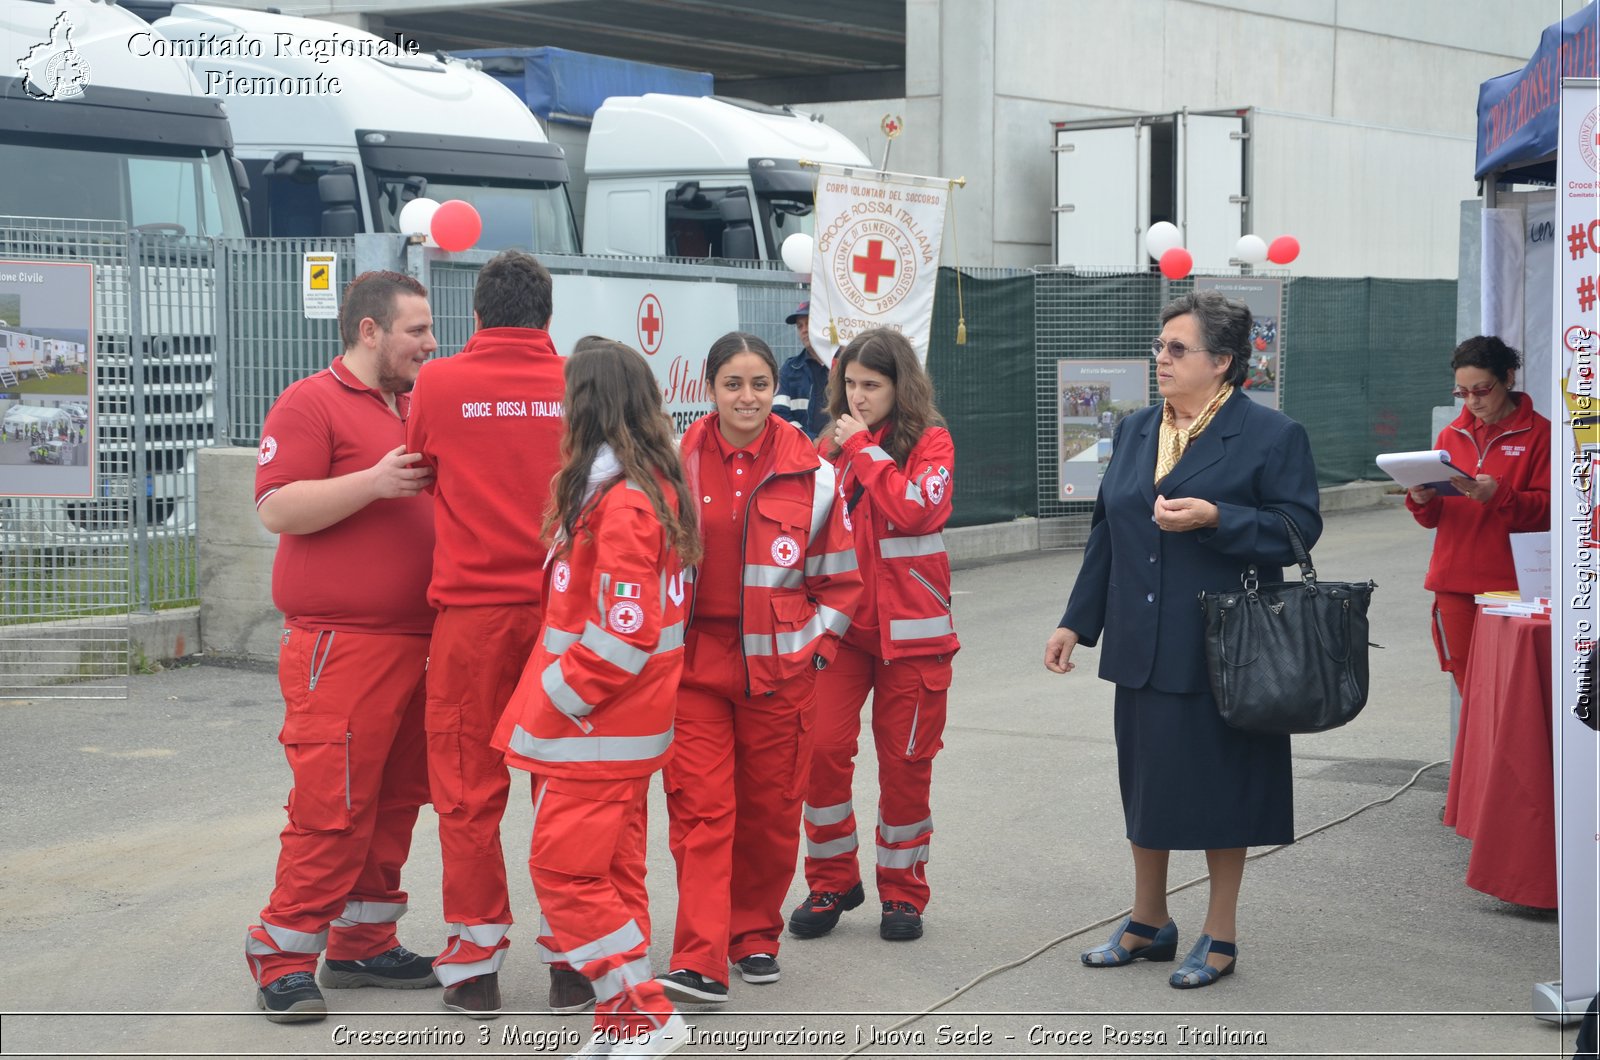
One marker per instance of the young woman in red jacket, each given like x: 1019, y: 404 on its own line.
x: 771, y: 600
x: 1506, y: 446
x: 895, y: 462
x: 591, y: 719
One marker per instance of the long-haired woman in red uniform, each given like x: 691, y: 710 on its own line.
x: 591, y: 719
x: 771, y: 600
x: 895, y: 462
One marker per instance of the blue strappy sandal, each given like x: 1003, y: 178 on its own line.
x: 1195, y: 972
x: 1163, y: 945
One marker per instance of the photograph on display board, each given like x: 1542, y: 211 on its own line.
x: 1264, y: 296
x: 46, y: 379
x: 1092, y: 397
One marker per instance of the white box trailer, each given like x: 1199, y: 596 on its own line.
x: 1362, y: 199
x: 20, y: 351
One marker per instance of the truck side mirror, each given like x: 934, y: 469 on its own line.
x: 337, y: 190
x: 739, y: 230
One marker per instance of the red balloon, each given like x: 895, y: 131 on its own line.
x: 456, y: 225
x: 1283, y: 250
x: 1176, y: 263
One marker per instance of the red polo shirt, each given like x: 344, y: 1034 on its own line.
x: 367, y: 573
x: 488, y: 421
x: 728, y: 474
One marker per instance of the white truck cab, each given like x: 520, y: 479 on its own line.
x: 339, y: 128
x: 698, y: 177
x: 94, y: 128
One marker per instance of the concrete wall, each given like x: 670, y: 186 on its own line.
x: 236, y: 551
x: 1370, y: 186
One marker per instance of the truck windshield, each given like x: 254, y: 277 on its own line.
x: 784, y: 215
x: 188, y: 191
x: 532, y: 217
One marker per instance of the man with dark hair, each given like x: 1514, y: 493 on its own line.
x: 803, y: 381
x: 487, y: 422
x: 333, y: 478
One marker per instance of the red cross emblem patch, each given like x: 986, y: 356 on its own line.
x: 785, y: 551
x: 268, y: 450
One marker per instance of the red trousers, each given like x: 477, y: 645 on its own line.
x: 474, y: 663
x: 352, y: 732
x: 733, y: 786
x: 908, y: 709
x: 587, y: 864
x: 1454, y: 615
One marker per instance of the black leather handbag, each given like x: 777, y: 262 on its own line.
x: 1288, y: 657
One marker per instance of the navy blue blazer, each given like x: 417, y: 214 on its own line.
x: 1140, y: 585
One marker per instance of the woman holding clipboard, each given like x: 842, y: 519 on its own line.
x: 1506, y: 445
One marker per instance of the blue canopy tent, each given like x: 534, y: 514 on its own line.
x: 1517, y: 111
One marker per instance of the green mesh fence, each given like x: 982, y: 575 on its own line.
x: 1369, y: 361
x: 985, y: 391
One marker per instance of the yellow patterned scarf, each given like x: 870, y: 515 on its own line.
x: 1174, y: 441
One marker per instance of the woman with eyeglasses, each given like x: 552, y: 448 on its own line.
x: 1190, y: 499
x: 1506, y: 446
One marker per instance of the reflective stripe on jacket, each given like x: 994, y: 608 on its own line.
x: 800, y: 579
x: 596, y: 697
x: 897, y: 528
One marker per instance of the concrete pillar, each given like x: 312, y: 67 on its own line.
x: 236, y: 552
x: 967, y: 122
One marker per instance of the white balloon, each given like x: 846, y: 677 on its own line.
x: 1252, y: 250
x: 797, y: 250
x: 1162, y: 237
x: 416, y: 217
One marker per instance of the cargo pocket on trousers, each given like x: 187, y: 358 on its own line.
x: 800, y: 774
x: 318, y: 749
x: 926, y: 735
x: 445, y: 785
x: 580, y: 824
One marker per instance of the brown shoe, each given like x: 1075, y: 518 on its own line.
x: 570, y: 991
x: 478, y: 997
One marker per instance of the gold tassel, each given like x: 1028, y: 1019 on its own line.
x: 833, y: 332
x: 961, y: 327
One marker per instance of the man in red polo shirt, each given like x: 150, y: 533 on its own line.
x: 333, y: 478
x: 487, y: 423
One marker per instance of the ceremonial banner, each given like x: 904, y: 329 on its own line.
x: 876, y: 257
x: 1575, y: 460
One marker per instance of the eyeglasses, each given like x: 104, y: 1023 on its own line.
x: 1177, y: 349
x: 1461, y: 393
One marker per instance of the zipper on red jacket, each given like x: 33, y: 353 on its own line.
x: 1482, y: 455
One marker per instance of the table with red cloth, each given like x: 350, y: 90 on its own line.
x: 1502, y: 786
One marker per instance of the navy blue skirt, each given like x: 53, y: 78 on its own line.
x: 1191, y: 783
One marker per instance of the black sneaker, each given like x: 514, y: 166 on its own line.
x: 820, y: 912
x: 684, y: 985
x: 292, y: 998
x: 759, y: 968
x: 901, y: 922
x: 396, y: 969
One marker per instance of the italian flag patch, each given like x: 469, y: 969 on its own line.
x: 627, y: 590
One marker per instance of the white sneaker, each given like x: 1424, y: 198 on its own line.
x: 663, y: 1041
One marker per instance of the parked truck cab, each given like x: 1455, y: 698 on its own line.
x: 700, y: 177
x: 338, y: 129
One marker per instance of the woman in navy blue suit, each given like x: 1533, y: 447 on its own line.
x: 1183, y: 508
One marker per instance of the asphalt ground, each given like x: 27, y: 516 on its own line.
x: 139, y: 837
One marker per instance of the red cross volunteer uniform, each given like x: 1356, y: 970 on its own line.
x: 1472, y: 548
x: 488, y: 422
x: 591, y: 720
x: 351, y: 663
x: 899, y: 650
x: 772, y: 598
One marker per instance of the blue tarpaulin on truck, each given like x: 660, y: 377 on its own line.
x: 1517, y: 111
x: 567, y: 86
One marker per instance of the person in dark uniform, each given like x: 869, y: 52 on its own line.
x: 1183, y: 508
x: 802, y: 397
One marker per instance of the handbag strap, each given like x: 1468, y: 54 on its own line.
x: 1308, y: 573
